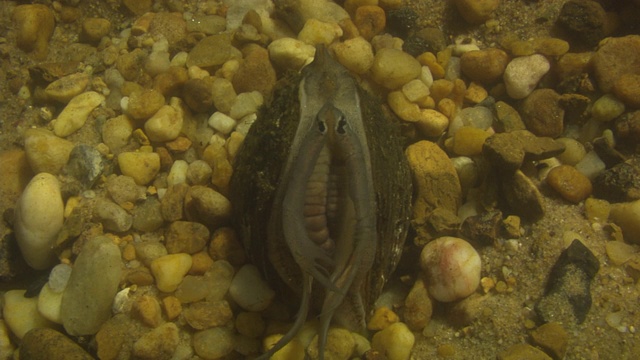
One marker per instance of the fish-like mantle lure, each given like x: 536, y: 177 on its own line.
x: 321, y: 192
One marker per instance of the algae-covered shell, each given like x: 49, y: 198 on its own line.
x: 259, y: 173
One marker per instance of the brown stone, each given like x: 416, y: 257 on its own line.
x: 523, y: 351
x: 207, y: 314
x: 484, y: 66
x: 186, y: 237
x: 616, y: 57
x: 627, y: 89
x: 48, y: 344
x: 34, y: 24
x: 542, y: 113
x: 569, y: 183
x: 370, y: 20
x: 147, y: 309
x: 417, y: 307
x: 553, y: 338
x: 225, y: 245
x: 256, y: 73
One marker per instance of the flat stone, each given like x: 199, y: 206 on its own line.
x: 212, y: 51
x: 66, y: 88
x: 542, y: 113
x: 123, y: 189
x: 48, y: 344
x: 256, y: 73
x: 553, y: 338
x: 523, y: 351
x: 92, y: 286
x: 75, y: 114
x: 615, y: 57
x: 170, y: 25
x: 508, y: 150
x: 112, y: 216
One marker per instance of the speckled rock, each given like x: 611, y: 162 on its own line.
x: 484, y: 66
x: 141, y: 166
x: 508, y: 150
x: 147, y: 216
x: 619, y: 183
x: 627, y: 216
x: 160, y: 343
x: 476, y: 12
x: 211, y: 51
x: 255, y: 73
x: 225, y: 245
x: 584, y: 21
x: 48, y: 344
x: 522, y: 75
x: 542, y: 113
x: 146, y: 308
x: 85, y: 165
x: 75, y: 114
x: 569, y: 183
x: 508, y: 119
x: 370, y: 20
x: 207, y: 314
x: 171, y: 204
x: 21, y: 314
x: 124, y: 189
x: 165, y: 124
x: 116, y: 133
x: 92, y: 286
x: 393, y: 68
x: 186, y: 237
x: 34, y: 24
x: 170, y: 25
x: 614, y: 58
x: 39, y: 215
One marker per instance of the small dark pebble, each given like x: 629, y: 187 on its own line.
x: 583, y: 20
x: 607, y: 153
x: 522, y: 196
x: 620, y: 183
x: 427, y: 39
x: 85, y: 164
x: 482, y: 229
x: 400, y: 22
x: 48, y: 344
x: 567, y: 296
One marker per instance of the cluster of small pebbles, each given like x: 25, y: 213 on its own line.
x: 124, y: 175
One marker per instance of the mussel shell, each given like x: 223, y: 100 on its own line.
x: 258, y: 166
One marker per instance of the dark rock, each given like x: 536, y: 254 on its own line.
x: 197, y: 95
x: 48, y: 344
x: 427, y: 39
x: 621, y: 183
x: 401, y: 21
x: 567, y: 297
x: 583, y: 20
x: 147, y: 216
x: 575, y: 108
x: 482, y: 229
x: 85, y: 164
x: 542, y: 113
x: 607, y: 153
x: 507, y: 151
x: 172, y: 202
x: 627, y: 128
x: 522, y: 196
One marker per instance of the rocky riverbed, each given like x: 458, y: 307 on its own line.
x: 120, y: 121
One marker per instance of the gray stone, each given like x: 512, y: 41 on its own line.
x: 112, y: 216
x: 147, y: 216
x: 85, y: 165
x: 92, y: 286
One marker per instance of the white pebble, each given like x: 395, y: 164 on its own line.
x: 245, y: 123
x: 39, y: 217
x: 249, y: 290
x: 222, y: 123
x: 573, y: 153
x: 523, y: 73
x: 58, y: 277
x: 291, y: 53
x: 165, y: 124
x: 178, y: 173
x: 425, y: 76
x: 49, y: 304
x: 591, y: 165
x: 452, y: 267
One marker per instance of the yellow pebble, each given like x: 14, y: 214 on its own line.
x: 382, y: 317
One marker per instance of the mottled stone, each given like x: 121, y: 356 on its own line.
x: 523, y: 351
x: 160, y: 343
x: 508, y: 150
x: 186, y: 237
x: 542, y: 113
x: 256, y: 73
x: 584, y: 21
x: 48, y: 344
x: 204, y: 315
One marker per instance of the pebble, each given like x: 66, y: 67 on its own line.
x: 225, y: 245
x: 224, y: 95
x: 58, y: 277
x: 395, y: 341
x: 393, y: 68
x: 256, y: 73
x: 417, y: 307
x: 207, y: 314
x: 523, y: 351
x: 250, y: 324
x: 85, y: 165
x: 75, y: 114
x: 21, y: 314
x: 160, y: 343
x: 619, y: 183
x: 507, y: 118
x: 212, y: 51
x: 199, y: 173
x: 607, y: 108
x: 172, y: 307
x: 356, y: 54
x: 67, y: 87
x: 584, y: 21
x: 245, y: 104
x: 551, y: 46
x: 249, y: 290
x: 432, y: 123
x: 94, y: 29
x: 509, y: 150
x: 6, y: 346
x: 289, y: 53
x: 208, y: 24
x: 170, y: 25
x: 553, y: 338
x: 177, y: 173
x: 207, y: 206
x: 370, y: 20
x: 428, y: 39
x: 214, y: 343
x: 591, y: 165
x: 478, y: 117
x: 169, y: 270
x: 165, y: 124
x: 186, y: 237
x: 468, y: 141
x: 619, y: 252
x: 476, y: 12
x: 404, y: 108
x: 116, y: 133
x: 92, y: 286
x: 147, y: 216
x: 148, y: 251
x: 381, y: 318
x: 222, y: 123
x: 144, y: 103
x: 220, y: 274
x: 193, y: 288
x: 319, y: 32
x: 627, y: 89
x: 40, y: 344
x: 596, y: 210
x: 415, y: 91
x: 522, y: 75
x: 340, y: 345
x: 567, y: 296
x: 171, y: 203
x: 112, y: 216
x: 542, y: 113
x: 475, y: 94
x: 434, y: 178
x: 110, y: 340
x: 147, y: 309
x: 138, y: 7
x: 615, y: 57
x: 452, y: 268
x: 573, y: 153
x: 49, y: 303
x: 123, y: 189
x: 39, y: 215
x: 627, y: 216
x: 142, y: 167
x: 569, y: 183
x: 34, y: 24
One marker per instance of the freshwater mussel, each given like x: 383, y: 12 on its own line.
x: 321, y: 193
